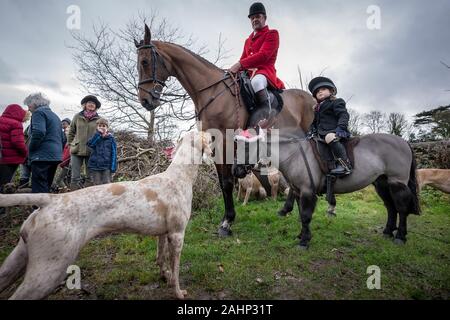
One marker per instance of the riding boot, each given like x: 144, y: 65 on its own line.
x: 343, y: 166
x: 265, y: 111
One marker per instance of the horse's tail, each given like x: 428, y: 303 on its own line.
x: 412, y: 185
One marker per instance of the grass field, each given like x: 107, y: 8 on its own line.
x: 262, y: 260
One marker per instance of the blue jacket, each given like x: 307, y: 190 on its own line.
x: 104, y: 153
x: 46, y: 137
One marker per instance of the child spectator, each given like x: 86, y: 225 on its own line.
x: 103, y: 160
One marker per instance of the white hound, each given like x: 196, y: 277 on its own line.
x: 53, y: 235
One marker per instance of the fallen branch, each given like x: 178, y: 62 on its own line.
x: 135, y: 157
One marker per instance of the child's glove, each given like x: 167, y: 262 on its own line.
x: 103, y: 132
x: 341, y: 133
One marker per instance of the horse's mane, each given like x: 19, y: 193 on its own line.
x: 197, y: 56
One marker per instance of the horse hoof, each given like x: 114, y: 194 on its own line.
x: 303, y: 246
x: 331, y: 214
x: 399, y: 242
x: 282, y: 213
x: 388, y: 235
x: 223, y: 232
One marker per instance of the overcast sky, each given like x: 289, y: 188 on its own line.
x: 394, y: 68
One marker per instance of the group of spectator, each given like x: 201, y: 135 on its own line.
x: 85, y: 141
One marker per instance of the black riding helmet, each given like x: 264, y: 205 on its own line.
x: 257, y: 8
x: 320, y: 82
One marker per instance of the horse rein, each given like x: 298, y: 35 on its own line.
x: 305, y: 159
x: 156, y: 94
x: 160, y: 84
x: 227, y: 75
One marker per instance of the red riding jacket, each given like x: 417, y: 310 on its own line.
x: 14, y: 150
x: 260, y: 52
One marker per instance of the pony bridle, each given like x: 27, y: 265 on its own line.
x: 158, y: 84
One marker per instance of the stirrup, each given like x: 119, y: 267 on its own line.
x: 346, y: 168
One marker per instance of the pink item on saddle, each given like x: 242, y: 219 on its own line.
x: 246, y: 134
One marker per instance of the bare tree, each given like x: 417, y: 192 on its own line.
x: 397, y: 124
x: 107, y: 67
x: 375, y: 121
x: 355, y: 122
x: 305, y: 80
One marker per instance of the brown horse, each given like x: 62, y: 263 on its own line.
x: 217, y: 101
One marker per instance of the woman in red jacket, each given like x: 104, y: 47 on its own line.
x: 13, y: 150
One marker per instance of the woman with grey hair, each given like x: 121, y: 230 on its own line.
x: 46, y: 142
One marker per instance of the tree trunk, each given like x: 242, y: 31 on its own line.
x: 151, y: 129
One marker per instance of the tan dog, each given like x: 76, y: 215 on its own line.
x: 250, y: 185
x: 276, y: 179
x: 53, y: 235
x: 437, y: 178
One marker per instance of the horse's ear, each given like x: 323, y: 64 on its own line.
x: 137, y: 44
x: 148, y: 35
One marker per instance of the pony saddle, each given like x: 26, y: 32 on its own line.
x: 327, y: 162
x: 325, y: 157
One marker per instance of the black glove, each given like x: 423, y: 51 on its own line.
x: 341, y: 133
x: 311, y: 134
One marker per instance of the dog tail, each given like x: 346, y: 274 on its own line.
x: 38, y: 199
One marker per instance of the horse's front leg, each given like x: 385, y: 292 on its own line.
x: 226, y: 180
x: 306, y: 205
x: 288, y: 204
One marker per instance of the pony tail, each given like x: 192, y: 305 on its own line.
x: 412, y: 185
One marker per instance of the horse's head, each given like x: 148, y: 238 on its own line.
x: 152, y: 72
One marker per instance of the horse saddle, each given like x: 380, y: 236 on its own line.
x: 325, y: 157
x: 327, y: 162
x: 248, y: 94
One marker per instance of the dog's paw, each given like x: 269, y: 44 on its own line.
x: 181, y: 294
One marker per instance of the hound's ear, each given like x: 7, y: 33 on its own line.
x: 148, y: 35
x: 137, y: 44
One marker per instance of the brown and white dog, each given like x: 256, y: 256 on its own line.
x: 437, y: 178
x: 249, y: 186
x: 53, y: 235
x: 276, y: 180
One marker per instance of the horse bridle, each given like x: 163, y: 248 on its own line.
x: 156, y: 94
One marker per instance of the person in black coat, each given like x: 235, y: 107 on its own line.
x: 331, y: 121
x: 46, y: 142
